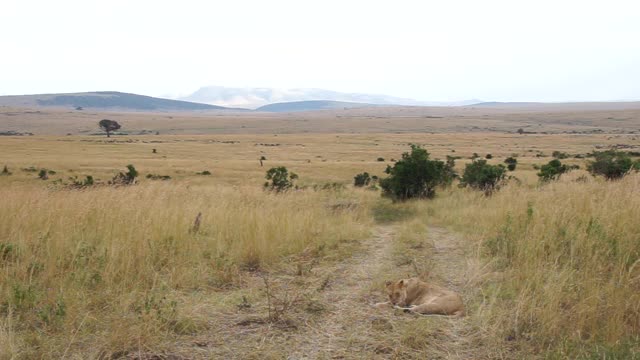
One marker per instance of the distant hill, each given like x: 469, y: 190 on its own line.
x: 105, y: 100
x: 257, y: 97
x: 311, y: 106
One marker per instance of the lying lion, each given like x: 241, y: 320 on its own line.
x: 419, y: 297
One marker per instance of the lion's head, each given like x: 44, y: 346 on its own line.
x: 397, y: 291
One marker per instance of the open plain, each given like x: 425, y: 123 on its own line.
x: 109, y: 272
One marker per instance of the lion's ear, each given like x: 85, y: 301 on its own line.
x: 401, y: 283
x: 388, y: 283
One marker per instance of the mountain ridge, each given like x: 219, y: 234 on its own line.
x: 311, y: 105
x: 255, y: 97
x: 106, y: 100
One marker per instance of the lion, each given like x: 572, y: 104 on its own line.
x: 416, y: 296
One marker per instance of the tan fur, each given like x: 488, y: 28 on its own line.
x: 423, y: 298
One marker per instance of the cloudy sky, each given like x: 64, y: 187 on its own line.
x: 513, y: 50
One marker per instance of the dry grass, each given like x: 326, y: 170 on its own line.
x: 116, y: 272
x: 579, y: 118
x: 565, y: 260
x: 107, y: 262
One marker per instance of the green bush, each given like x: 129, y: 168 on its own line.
x: 361, y: 180
x: 612, y: 164
x: 482, y: 176
x: 559, y: 155
x: 488, y: 157
x: 79, y: 184
x: 511, y: 163
x: 280, y: 179
x: 43, y: 174
x: 553, y: 170
x: 128, y: 178
x: 414, y: 176
x: 380, y: 159
x: 205, y: 173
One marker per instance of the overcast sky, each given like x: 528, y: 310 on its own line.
x: 513, y: 50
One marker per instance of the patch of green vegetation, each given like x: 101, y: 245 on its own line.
x: 158, y: 177
x: 385, y: 212
x: 624, y: 349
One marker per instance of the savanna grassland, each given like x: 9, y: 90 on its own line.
x: 546, y: 270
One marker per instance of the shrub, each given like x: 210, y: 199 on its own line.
x: 206, y: 173
x: 280, y: 179
x: 611, y: 164
x: 43, y: 174
x: 559, y: 155
x: 380, y: 159
x: 474, y: 156
x: 552, y: 170
x: 361, y: 180
x: 482, y: 176
x: 78, y: 184
x: 450, y: 172
x: 5, y: 171
x: 158, y: 177
x: 511, y: 163
x: 414, y: 176
x: 488, y: 157
x: 128, y: 178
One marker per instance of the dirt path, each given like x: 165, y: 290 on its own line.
x: 352, y: 329
x: 340, y: 334
x: 347, y: 326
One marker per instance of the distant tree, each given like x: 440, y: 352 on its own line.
x: 79, y: 108
x: 511, y: 163
x: 5, y: 171
x: 521, y: 131
x: 488, y: 157
x: 611, y: 164
x: 482, y: 176
x: 108, y: 126
x: 380, y: 159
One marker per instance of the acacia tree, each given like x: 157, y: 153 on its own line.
x: 108, y: 126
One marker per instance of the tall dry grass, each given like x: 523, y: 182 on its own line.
x: 102, y: 267
x: 566, y: 259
